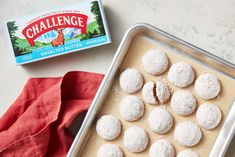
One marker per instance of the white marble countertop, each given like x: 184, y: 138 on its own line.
x: 209, y: 25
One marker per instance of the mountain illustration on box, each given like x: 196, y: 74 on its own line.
x: 94, y: 29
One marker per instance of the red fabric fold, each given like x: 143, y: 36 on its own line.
x: 36, y: 124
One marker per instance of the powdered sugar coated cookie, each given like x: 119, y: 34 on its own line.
x: 163, y: 92
x: 207, y: 86
x: 108, y: 127
x: 160, y: 120
x: 135, y: 139
x: 183, y: 102
x: 208, y: 116
x: 148, y: 93
x: 109, y: 150
x: 155, y: 93
x: 131, y: 108
x: 187, y: 153
x: 155, y: 61
x: 131, y: 80
x: 161, y: 148
x: 181, y: 74
x: 187, y: 134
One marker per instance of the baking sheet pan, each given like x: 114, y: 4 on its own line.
x: 137, y: 40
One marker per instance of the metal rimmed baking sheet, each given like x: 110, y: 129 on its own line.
x: 136, y: 41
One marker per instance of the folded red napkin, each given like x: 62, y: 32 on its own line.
x: 36, y: 124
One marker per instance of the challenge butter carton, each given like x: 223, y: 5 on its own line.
x: 59, y: 31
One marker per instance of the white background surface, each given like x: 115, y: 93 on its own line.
x: 208, y: 24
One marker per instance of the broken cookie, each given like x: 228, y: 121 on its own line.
x: 156, y: 93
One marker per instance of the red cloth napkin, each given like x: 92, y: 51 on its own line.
x: 36, y: 124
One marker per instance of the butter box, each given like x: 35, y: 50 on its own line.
x: 58, y: 31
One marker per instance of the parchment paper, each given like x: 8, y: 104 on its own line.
x: 133, y: 59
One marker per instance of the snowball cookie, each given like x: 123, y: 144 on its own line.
x: 135, y: 139
x: 183, y: 102
x: 109, y: 150
x: 161, y: 148
x: 207, y: 86
x: 153, y: 93
x: 208, y: 116
x: 131, y: 108
x: 155, y: 61
x: 148, y: 93
x: 187, y: 153
x: 108, y: 127
x: 160, y: 120
x: 163, y: 92
x: 187, y: 134
x: 181, y: 74
x: 131, y: 80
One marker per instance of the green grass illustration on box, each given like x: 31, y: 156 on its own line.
x: 59, y: 36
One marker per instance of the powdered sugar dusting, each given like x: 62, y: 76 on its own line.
x: 161, y: 148
x: 108, y: 127
x: 136, y: 139
x: 181, y: 74
x: 131, y: 108
x: 207, y: 86
x: 109, y: 150
x: 187, y: 153
x: 187, y: 134
x: 183, y: 102
x: 149, y: 94
x: 155, y: 62
x: 163, y: 92
x: 131, y: 80
x: 208, y: 116
x: 160, y: 120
